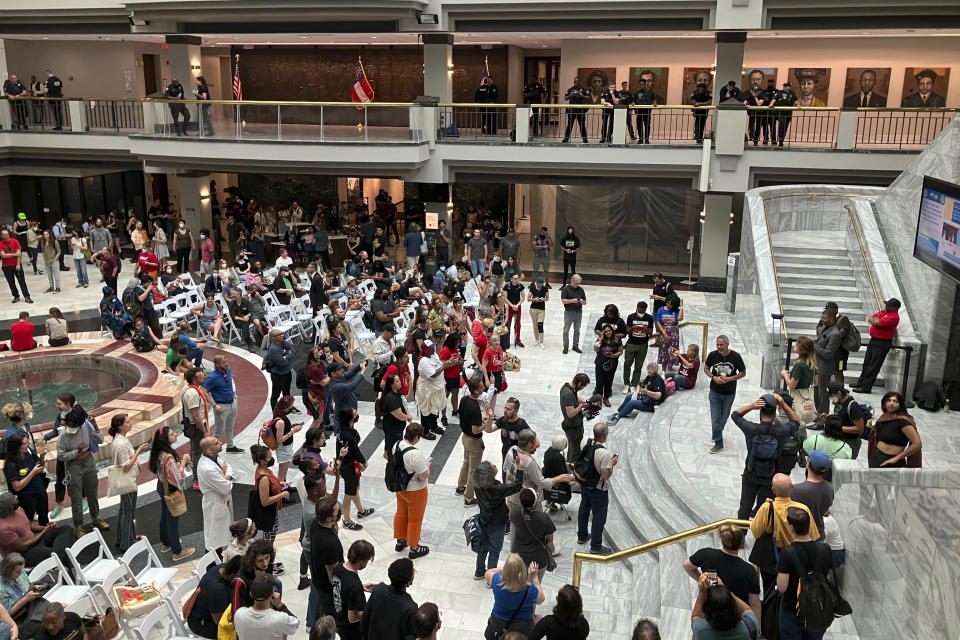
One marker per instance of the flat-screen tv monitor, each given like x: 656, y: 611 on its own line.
x: 938, y: 227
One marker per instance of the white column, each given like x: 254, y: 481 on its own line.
x: 438, y: 66
x: 185, y: 61
x: 715, y: 235
x: 847, y: 129
x: 523, y: 125
x: 729, y: 60
x: 619, y: 135
x: 6, y: 120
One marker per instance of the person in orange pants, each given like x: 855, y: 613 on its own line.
x: 411, y: 501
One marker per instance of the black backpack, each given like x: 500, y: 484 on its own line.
x: 131, y: 303
x: 378, y: 375
x: 584, y: 469
x: 142, y: 342
x: 764, y: 452
x: 815, y: 599
x: 928, y: 396
x: 396, y: 476
x: 302, y: 379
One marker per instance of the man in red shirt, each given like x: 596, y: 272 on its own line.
x: 883, y: 327
x: 109, y: 266
x: 147, y: 263
x: 21, y: 334
x: 12, y: 271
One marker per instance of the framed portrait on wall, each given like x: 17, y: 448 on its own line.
x: 925, y: 87
x: 596, y: 80
x: 692, y: 76
x: 866, y: 87
x: 657, y: 79
x: 757, y: 76
x: 812, y: 85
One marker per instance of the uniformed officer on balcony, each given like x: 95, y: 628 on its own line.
x: 608, y: 98
x: 754, y: 116
x: 175, y: 92
x: 768, y: 119
x: 644, y: 96
x: 577, y: 94
x: 54, y: 89
x: 700, y: 98
x: 534, y: 93
x: 487, y: 93
x: 624, y: 100
x: 784, y: 98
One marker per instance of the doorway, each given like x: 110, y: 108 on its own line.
x: 547, y: 72
x: 151, y: 74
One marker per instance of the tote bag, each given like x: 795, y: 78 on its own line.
x: 120, y: 482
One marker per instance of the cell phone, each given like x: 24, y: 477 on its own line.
x: 712, y: 579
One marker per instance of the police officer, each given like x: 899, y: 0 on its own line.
x: 16, y: 93
x: 608, y: 98
x: 534, y: 93
x: 202, y: 93
x: 729, y: 91
x: 487, y: 93
x: 700, y: 98
x: 644, y: 96
x: 625, y: 99
x: 768, y: 118
x: 577, y: 94
x: 54, y: 89
x: 784, y: 98
x: 754, y: 116
x: 175, y: 92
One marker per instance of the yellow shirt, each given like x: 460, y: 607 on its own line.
x: 781, y: 531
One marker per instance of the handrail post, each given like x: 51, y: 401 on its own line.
x: 77, y: 120
x: 847, y: 129
x: 279, y: 133
x: 577, y: 570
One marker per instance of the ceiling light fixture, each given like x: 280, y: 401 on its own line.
x: 428, y: 18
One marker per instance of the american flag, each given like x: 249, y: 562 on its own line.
x: 237, y: 85
x: 485, y: 72
x: 362, y: 91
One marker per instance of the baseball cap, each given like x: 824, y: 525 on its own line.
x: 892, y: 302
x: 262, y: 588
x: 836, y: 387
x: 769, y: 400
x: 819, y: 461
x: 285, y: 268
x: 830, y: 305
x: 22, y: 216
x: 426, y: 345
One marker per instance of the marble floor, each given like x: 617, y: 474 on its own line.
x: 444, y: 576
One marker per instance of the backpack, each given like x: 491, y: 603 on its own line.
x: 764, y: 453
x: 851, y: 341
x: 131, y: 303
x: 473, y: 531
x: 378, y: 375
x: 302, y: 379
x: 584, y: 469
x: 268, y: 436
x: 410, y: 344
x: 815, y: 600
x: 396, y: 476
x: 142, y: 342
x: 928, y: 396
x: 669, y: 388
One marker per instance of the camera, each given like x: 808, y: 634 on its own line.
x: 592, y: 410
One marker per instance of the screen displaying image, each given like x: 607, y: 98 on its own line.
x: 937, y: 229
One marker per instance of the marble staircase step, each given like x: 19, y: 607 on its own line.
x: 814, y: 297
x: 813, y: 311
x: 838, y: 275
x: 841, y: 260
x: 817, y: 253
x: 795, y: 264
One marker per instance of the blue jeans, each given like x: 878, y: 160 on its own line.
x: 81, y: 264
x: 790, y: 628
x: 679, y: 380
x: 477, y: 265
x: 720, y: 407
x: 169, y: 525
x: 630, y: 405
x: 491, y: 543
x: 593, y: 500
x: 195, y: 356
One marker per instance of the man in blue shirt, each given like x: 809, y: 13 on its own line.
x: 343, y: 386
x: 757, y: 480
x: 412, y: 240
x: 219, y: 384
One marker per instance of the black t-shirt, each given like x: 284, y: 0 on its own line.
x: 538, y: 292
x: 532, y: 528
x: 605, y: 355
x: 215, y: 595
x: 325, y: 548
x: 71, y: 624
x: 470, y: 416
x: 514, y: 292
x: 639, y: 328
x: 388, y: 614
x: 654, y: 383
x: 551, y: 628
x: 337, y: 346
x: 348, y: 595
x: 728, y: 365
x: 387, y: 307
x: 570, y: 243
x: 849, y: 411
x: 664, y: 290
x: 805, y: 557
x: 283, y: 423
x: 569, y: 293
x: 737, y: 574
x: 391, y: 402
x: 619, y: 327
x: 509, y: 430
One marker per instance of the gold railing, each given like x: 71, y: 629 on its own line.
x: 863, y: 254
x: 580, y: 557
x: 706, y: 331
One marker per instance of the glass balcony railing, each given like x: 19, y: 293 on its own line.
x: 452, y: 123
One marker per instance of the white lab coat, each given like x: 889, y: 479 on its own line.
x: 217, y: 504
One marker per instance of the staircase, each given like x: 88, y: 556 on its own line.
x: 811, y: 271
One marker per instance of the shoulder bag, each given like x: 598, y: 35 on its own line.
x: 103, y: 627
x: 765, y: 553
x: 551, y: 563
x: 119, y: 481
x: 499, y: 633
x: 177, y: 501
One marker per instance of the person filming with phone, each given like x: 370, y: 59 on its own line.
x: 725, y: 565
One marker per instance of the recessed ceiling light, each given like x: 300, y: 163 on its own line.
x: 373, y: 37
x: 866, y: 33
x: 523, y: 36
x: 686, y: 34
x: 303, y: 37
x: 45, y: 38
x: 543, y: 46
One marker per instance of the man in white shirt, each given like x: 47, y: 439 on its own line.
x: 430, y: 390
x: 284, y: 260
x: 383, y: 346
x: 216, y: 485
x: 268, y: 618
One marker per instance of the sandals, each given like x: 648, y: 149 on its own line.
x: 364, y: 513
x: 353, y: 526
x: 418, y: 552
x: 401, y: 544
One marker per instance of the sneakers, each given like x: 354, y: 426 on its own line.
x: 460, y: 490
x: 601, y: 550
x: 353, y: 526
x: 437, y: 430
x: 100, y: 524
x: 606, y: 402
x: 716, y: 448
x: 303, y: 584
x: 401, y: 544
x: 444, y: 421
x: 57, y: 510
x: 626, y: 390
x: 278, y: 569
x: 577, y: 350
x: 418, y: 551
x: 234, y: 449
x: 427, y: 436
x: 540, y: 344
x: 613, y: 418
x: 583, y: 540
x: 469, y: 503
x: 366, y: 512
x: 184, y: 554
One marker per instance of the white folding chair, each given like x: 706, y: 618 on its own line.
x: 360, y: 332
x: 208, y: 559
x: 187, y: 280
x: 182, y: 592
x: 63, y: 589
x: 230, y: 328
x: 102, y: 595
x: 369, y: 288
x: 319, y: 330
x: 402, y: 324
x: 100, y: 567
x: 288, y: 317
x: 270, y: 298
x: 168, y: 321
x: 302, y: 312
x: 164, y: 617
x: 153, y: 572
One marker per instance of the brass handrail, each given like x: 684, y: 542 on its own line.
x: 670, y: 106
x: 793, y: 108
x: 281, y: 103
x: 776, y: 276
x: 863, y: 253
x: 706, y: 330
x: 580, y: 557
